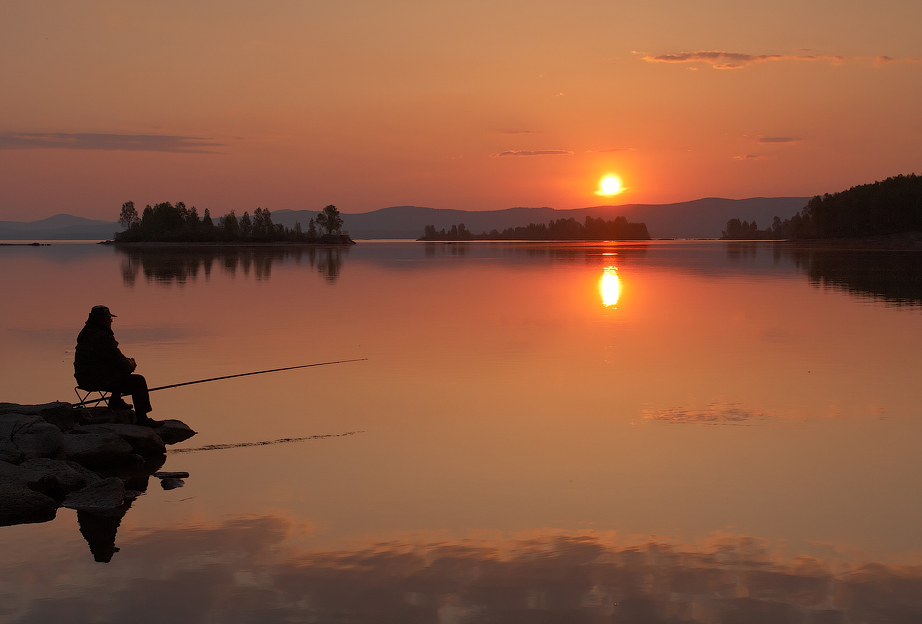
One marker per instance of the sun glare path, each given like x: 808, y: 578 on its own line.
x: 609, y: 287
x: 609, y: 185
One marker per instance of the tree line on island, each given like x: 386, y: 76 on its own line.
x: 166, y: 222
x: 560, y: 229
x: 891, y: 206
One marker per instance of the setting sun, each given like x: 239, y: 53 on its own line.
x: 608, y: 186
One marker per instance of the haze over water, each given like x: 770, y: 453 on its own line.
x: 605, y: 432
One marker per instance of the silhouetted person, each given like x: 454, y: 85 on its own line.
x: 99, y: 365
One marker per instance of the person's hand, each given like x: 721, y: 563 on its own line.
x: 134, y: 364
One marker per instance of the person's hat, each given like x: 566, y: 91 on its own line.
x: 102, y: 311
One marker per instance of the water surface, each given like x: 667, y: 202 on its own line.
x: 667, y: 431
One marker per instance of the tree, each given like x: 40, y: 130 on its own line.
x: 129, y: 215
x: 330, y: 220
x: 246, y: 225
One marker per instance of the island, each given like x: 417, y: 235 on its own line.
x: 168, y: 223
x: 556, y: 230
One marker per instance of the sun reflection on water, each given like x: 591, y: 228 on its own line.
x: 609, y: 287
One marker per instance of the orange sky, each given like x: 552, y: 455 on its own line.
x: 473, y: 105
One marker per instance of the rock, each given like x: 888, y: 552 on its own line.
x: 9, y: 452
x: 174, y: 431
x: 20, y: 504
x: 22, y: 497
x: 171, y: 475
x: 107, y: 494
x: 66, y: 477
x: 90, y: 476
x: 30, y: 410
x: 143, y: 440
x: 171, y: 483
x: 63, y: 416
x: 30, y: 434
x: 96, y: 449
x: 25, y: 477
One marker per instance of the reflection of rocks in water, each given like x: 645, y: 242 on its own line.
x: 170, y: 264
x: 894, y: 276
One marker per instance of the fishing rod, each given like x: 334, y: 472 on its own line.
x: 271, y: 370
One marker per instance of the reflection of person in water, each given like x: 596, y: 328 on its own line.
x: 99, y: 529
x: 99, y: 365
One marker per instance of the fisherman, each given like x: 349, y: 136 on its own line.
x: 99, y: 365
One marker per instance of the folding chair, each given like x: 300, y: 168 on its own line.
x: 84, y: 397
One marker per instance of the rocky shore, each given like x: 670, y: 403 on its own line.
x: 95, y: 461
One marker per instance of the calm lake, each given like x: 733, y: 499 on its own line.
x: 661, y: 432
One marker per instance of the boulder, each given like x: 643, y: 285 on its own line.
x: 96, y: 449
x: 20, y: 504
x: 22, y: 497
x: 89, y: 475
x: 143, y: 440
x: 107, y: 494
x: 9, y: 452
x: 174, y: 431
x: 30, y: 410
x: 30, y: 434
x: 171, y: 483
x: 67, y: 479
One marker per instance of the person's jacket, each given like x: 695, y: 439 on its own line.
x: 98, y: 363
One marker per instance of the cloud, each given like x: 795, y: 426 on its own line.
x: 557, y: 152
x: 749, y: 157
x: 610, y: 149
x: 249, y: 569
x: 713, y: 414
x: 777, y: 140
x: 886, y: 60
x: 735, y: 60
x: 107, y: 142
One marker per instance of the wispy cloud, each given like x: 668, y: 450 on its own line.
x: 107, y: 142
x: 610, y: 149
x: 777, y: 140
x: 886, y: 60
x: 719, y: 59
x: 554, y: 152
x: 713, y: 414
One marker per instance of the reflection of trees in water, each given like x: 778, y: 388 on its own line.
x: 169, y: 264
x: 894, y: 276
x: 567, y: 252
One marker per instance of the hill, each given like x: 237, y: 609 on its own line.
x: 59, y: 227
x: 701, y: 218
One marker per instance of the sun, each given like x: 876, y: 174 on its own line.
x: 609, y: 185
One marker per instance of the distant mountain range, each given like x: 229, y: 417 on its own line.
x: 59, y: 227
x: 701, y: 218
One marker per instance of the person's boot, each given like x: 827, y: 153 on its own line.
x: 147, y: 421
x: 117, y: 402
